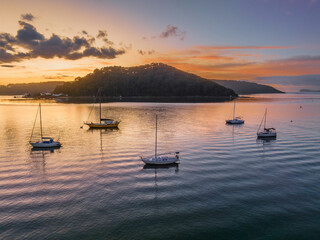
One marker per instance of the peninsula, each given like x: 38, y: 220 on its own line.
x: 152, y: 80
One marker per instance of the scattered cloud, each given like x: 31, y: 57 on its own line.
x: 150, y: 52
x: 7, y: 66
x: 103, y: 35
x: 240, y: 47
x: 303, y: 58
x: 127, y: 47
x: 29, y: 43
x: 27, y: 17
x: 213, y: 57
x: 300, y: 80
x: 57, y: 76
x: 12, y: 66
x: 28, y: 34
x: 172, y: 31
x: 216, y: 63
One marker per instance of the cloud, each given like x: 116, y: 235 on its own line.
x: 293, y: 83
x: 240, y: 47
x: 28, y: 33
x: 300, y: 80
x: 6, y: 41
x: 57, y: 76
x: 172, y: 31
x: 6, y: 57
x: 150, y: 52
x: 35, y: 44
x: 102, y: 34
x: 7, y: 66
x: 27, y: 17
x: 213, y: 57
x: 235, y: 64
x: 303, y: 58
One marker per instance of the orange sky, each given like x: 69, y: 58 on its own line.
x: 144, y: 40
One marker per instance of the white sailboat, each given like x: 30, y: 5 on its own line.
x: 266, y: 132
x: 163, y: 158
x: 235, y: 120
x: 45, y: 142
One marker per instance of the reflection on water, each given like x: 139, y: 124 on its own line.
x: 228, y: 184
x: 156, y: 169
x: 43, y: 150
x: 268, y: 140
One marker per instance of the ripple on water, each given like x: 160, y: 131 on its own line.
x: 228, y: 183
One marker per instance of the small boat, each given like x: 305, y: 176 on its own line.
x: 104, y: 122
x: 266, y: 132
x: 235, y: 120
x: 163, y: 158
x: 45, y: 142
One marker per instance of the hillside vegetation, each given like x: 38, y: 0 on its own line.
x: 156, y: 80
x: 32, y: 88
x: 244, y: 87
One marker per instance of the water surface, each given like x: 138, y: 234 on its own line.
x: 229, y: 185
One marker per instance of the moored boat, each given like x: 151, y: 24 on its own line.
x: 45, y: 142
x: 235, y: 120
x: 103, y: 122
x: 163, y: 158
x: 266, y: 132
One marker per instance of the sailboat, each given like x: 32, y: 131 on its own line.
x: 45, y: 142
x: 160, y: 159
x: 235, y: 120
x: 104, y: 122
x: 266, y: 132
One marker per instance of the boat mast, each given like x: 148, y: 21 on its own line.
x: 234, y: 108
x: 99, y: 96
x: 40, y: 120
x: 265, y: 118
x: 155, y: 154
x: 100, y: 109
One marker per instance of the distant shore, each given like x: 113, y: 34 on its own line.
x: 176, y: 99
x: 88, y: 99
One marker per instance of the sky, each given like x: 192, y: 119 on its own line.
x: 272, y: 42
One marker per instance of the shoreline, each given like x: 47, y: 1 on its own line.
x: 191, y: 99
x: 88, y: 99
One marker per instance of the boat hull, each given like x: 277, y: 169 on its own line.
x: 267, y: 135
x: 160, y: 160
x: 235, y: 121
x: 45, y: 145
x: 98, y: 125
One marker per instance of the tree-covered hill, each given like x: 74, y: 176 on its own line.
x: 152, y: 80
x: 32, y: 88
x: 244, y: 87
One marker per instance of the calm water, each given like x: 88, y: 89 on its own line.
x: 228, y: 185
